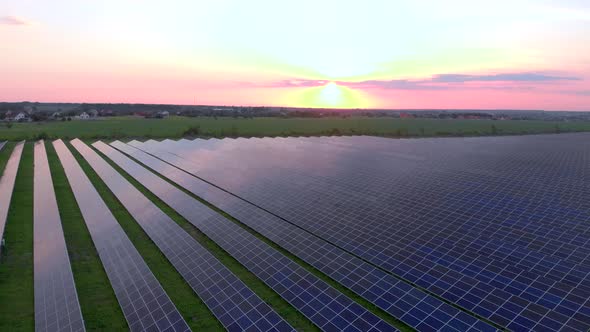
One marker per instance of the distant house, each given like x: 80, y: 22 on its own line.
x: 93, y: 113
x: 84, y: 116
x: 22, y: 117
x: 56, y: 115
x: 164, y: 114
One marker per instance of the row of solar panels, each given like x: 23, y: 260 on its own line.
x: 143, y: 301
x: 461, y: 218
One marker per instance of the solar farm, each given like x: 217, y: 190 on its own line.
x: 340, y: 233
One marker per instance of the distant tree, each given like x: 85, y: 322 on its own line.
x: 494, y: 130
x: 69, y: 118
x: 8, y: 124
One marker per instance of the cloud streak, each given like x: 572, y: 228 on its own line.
x: 453, y: 81
x: 506, y: 77
x: 13, y: 20
x: 297, y: 83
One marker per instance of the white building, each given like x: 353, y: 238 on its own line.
x: 22, y: 116
x: 84, y: 116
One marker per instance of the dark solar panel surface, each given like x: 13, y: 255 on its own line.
x: 56, y: 301
x: 2, y: 144
x: 232, y: 302
x: 496, y: 225
x: 7, y: 185
x: 398, y: 298
x: 144, y: 302
x: 322, y: 304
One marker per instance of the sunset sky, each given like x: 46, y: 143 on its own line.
x: 502, y: 54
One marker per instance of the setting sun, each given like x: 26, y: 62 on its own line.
x: 331, y: 94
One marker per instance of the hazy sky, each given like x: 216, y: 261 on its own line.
x: 532, y: 54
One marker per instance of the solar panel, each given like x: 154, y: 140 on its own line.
x: 424, y: 215
x: 2, y: 144
x: 320, y: 303
x: 56, y: 301
x: 7, y: 186
x: 145, y: 304
x: 398, y: 298
x: 230, y: 300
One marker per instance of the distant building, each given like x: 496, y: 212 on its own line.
x: 93, y: 113
x: 22, y: 117
x: 56, y: 115
x: 163, y: 114
x: 406, y: 116
x: 84, y: 116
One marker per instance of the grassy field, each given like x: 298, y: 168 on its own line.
x: 173, y: 127
x: 16, y: 266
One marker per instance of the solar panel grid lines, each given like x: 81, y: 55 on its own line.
x: 56, y: 300
x: 391, y: 295
x: 7, y: 186
x: 271, y: 195
x: 228, y: 298
x: 145, y: 304
x: 323, y: 305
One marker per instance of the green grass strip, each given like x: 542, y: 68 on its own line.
x: 100, y: 308
x: 194, y: 311
x: 16, y: 265
x: 368, y: 305
x: 282, y: 307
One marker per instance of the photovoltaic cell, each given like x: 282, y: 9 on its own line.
x: 7, y: 186
x: 2, y: 144
x: 398, y: 298
x: 144, y: 302
x: 473, y: 220
x: 323, y: 305
x: 230, y: 300
x: 56, y: 301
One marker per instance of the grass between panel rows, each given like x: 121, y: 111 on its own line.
x: 368, y: 305
x: 282, y: 307
x: 194, y: 311
x: 99, y: 305
x: 16, y: 264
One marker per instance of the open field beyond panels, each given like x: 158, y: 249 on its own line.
x: 354, y: 233
x: 174, y: 127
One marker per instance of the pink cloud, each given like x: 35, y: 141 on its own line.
x: 13, y: 20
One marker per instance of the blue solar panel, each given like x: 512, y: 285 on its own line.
x: 323, y: 305
x: 390, y: 294
x: 230, y: 300
x: 469, y: 219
